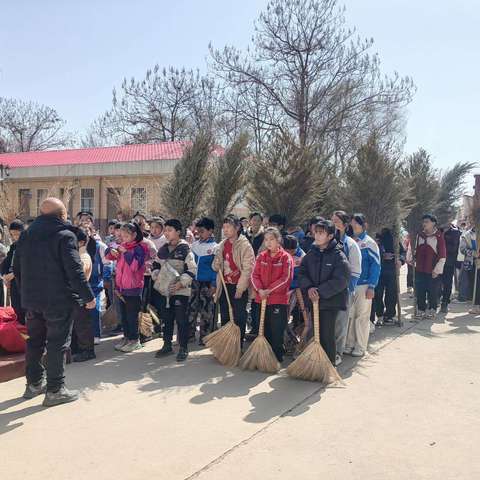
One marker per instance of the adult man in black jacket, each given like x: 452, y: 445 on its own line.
x: 324, y: 275
x: 50, y: 275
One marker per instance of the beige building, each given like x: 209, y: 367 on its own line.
x: 104, y: 181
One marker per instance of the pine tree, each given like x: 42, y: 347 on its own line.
x: 227, y: 178
x: 374, y: 186
x: 450, y: 190
x: 287, y: 179
x: 184, y: 193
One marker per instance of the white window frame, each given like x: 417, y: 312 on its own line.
x: 84, y: 198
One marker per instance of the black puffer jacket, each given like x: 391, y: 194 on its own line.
x: 452, y: 242
x: 47, y: 267
x: 329, y: 272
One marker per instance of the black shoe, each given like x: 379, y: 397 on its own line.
x: 144, y: 339
x: 389, y: 321
x: 201, y: 343
x: 444, y: 308
x: 32, y: 391
x: 164, y: 351
x: 58, y: 398
x: 182, y: 355
x: 84, y: 356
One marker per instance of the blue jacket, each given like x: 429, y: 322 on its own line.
x: 204, y: 251
x: 96, y: 279
x: 370, y: 261
x: 297, y: 260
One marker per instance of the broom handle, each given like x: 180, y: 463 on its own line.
x: 261, y: 327
x: 300, y: 301
x: 316, y: 322
x: 230, y: 309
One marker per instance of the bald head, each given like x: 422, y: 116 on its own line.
x: 55, y: 207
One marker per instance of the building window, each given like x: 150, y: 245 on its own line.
x: 139, y: 200
x: 24, y: 196
x: 87, y: 197
x: 42, y: 194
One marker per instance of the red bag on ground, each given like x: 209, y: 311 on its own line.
x: 12, y: 334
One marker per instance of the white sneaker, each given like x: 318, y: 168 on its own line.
x: 358, y: 353
x: 420, y: 315
x: 120, y: 345
x: 96, y: 341
x: 131, y: 346
x: 338, y: 360
x: 379, y: 322
x: 372, y: 328
x: 347, y: 350
x: 431, y: 313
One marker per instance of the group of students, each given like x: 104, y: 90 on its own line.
x: 440, y: 259
x: 181, y: 273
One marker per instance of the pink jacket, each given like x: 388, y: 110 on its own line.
x: 131, y: 267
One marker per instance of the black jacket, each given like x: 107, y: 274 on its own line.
x: 255, y: 241
x: 48, y: 268
x: 7, y: 264
x: 452, y: 242
x: 329, y: 272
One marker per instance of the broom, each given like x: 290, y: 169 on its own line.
x: 225, y: 342
x: 313, y: 364
x: 259, y: 355
x: 306, y: 323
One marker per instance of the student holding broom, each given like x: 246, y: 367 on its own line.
x: 234, y: 259
x: 271, y: 279
x: 324, y: 276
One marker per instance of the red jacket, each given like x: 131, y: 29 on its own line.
x: 431, y: 253
x: 274, y: 274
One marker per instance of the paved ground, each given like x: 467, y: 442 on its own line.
x: 410, y: 410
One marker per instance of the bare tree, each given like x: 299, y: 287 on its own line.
x: 227, y: 177
x: 311, y: 69
x: 27, y: 126
x: 157, y: 108
x: 184, y: 192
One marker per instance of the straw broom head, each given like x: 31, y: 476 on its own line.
x: 313, y: 364
x: 259, y: 355
x: 225, y: 342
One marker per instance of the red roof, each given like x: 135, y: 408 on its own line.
x: 125, y: 153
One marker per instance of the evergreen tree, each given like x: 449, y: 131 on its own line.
x: 227, y: 178
x: 184, y: 193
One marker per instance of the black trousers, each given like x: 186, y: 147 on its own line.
x: 385, y: 301
x: 276, y: 319
x: 427, y: 291
x: 327, y: 333
x: 82, y: 333
x: 50, y: 329
x: 16, y: 302
x: 177, y: 311
x: 239, y: 309
x: 447, y: 283
x: 409, y: 276
x: 255, y: 315
x: 129, y: 311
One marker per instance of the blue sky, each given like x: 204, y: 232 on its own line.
x: 69, y: 55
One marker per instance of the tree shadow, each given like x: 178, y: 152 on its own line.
x: 232, y: 384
